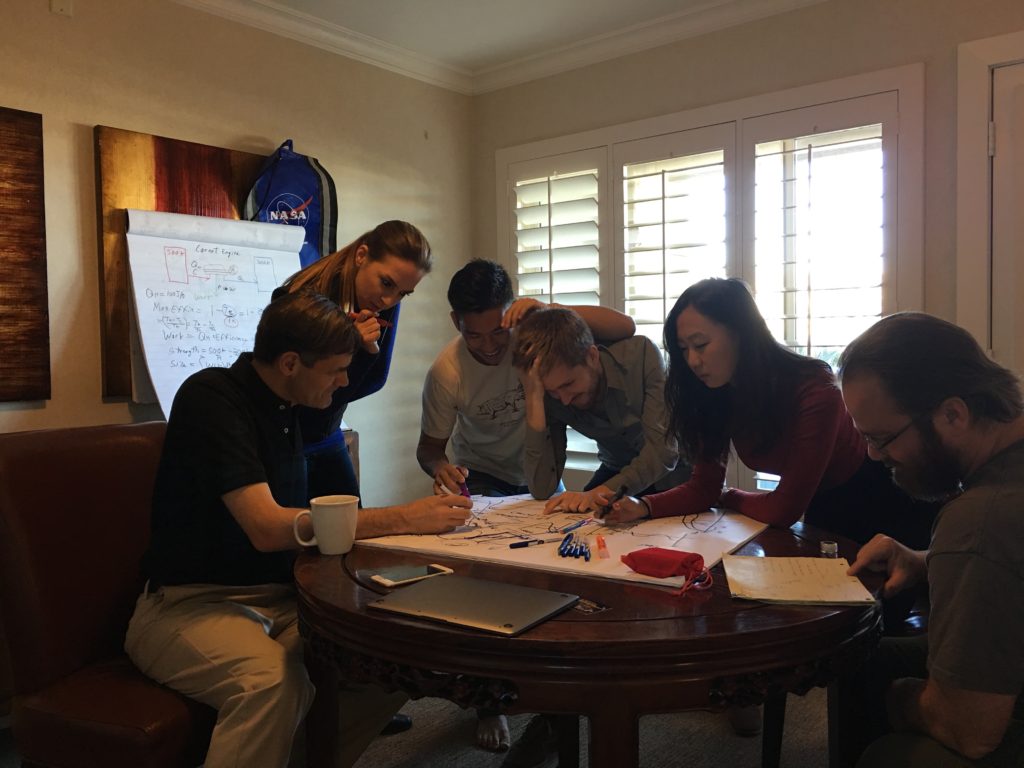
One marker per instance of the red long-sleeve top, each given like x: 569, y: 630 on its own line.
x: 821, y: 449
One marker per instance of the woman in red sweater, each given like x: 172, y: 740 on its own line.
x: 730, y: 381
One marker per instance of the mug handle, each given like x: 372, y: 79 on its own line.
x: 295, y: 530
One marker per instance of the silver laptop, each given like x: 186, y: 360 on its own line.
x: 492, y: 606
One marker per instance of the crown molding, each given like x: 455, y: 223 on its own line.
x: 706, y: 17
x: 271, y: 17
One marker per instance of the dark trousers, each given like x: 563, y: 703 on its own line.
x: 604, y: 473
x: 864, y: 730
x: 869, y: 503
x: 483, y: 484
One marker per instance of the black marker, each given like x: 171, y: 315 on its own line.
x: 530, y: 543
x: 608, y: 507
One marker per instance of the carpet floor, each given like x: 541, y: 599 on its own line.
x: 443, y: 737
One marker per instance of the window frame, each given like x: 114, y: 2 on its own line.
x: 904, y: 269
x: 907, y: 82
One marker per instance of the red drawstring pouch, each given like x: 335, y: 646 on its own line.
x: 664, y: 563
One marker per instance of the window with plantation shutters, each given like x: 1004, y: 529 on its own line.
x: 672, y: 219
x: 819, y: 248
x: 812, y: 196
x: 557, y: 241
x: 557, y: 238
x: 817, y: 238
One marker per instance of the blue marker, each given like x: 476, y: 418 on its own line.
x: 574, y: 526
x: 564, y: 545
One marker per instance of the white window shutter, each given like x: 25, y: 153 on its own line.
x: 558, y: 237
x: 819, y: 247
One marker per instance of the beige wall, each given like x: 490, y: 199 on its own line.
x: 395, y: 147
x: 822, y: 42
x: 399, y: 148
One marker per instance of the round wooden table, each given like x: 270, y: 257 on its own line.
x: 650, y: 651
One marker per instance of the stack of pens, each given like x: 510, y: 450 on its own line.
x: 574, y: 545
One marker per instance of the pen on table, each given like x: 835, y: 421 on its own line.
x: 574, y: 526
x: 531, y: 543
x: 383, y: 323
x: 608, y: 507
x: 602, y: 548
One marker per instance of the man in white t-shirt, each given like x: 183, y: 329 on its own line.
x: 472, y: 396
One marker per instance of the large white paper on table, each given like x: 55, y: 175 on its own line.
x: 200, y: 286
x: 498, y: 522
x: 809, y: 580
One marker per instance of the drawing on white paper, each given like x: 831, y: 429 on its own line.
x: 495, y: 523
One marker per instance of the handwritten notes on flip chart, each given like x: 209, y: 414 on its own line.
x: 200, y: 286
x: 809, y: 580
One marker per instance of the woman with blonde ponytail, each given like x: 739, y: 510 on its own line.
x: 369, y: 277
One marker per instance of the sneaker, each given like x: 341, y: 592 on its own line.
x: 537, y: 744
x: 746, y: 721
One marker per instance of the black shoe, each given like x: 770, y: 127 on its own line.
x: 399, y: 724
x: 537, y: 744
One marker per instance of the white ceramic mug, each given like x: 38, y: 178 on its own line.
x: 334, y: 523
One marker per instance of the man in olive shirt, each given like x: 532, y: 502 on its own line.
x: 614, y: 395
x: 949, y: 422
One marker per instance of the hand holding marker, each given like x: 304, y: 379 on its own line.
x: 603, y: 512
x: 382, y: 323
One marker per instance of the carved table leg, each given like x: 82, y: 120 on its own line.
x: 567, y: 729
x: 614, y: 738
x: 322, y: 719
x: 774, y: 721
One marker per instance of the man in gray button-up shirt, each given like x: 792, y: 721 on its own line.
x: 614, y: 395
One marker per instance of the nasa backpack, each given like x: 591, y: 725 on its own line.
x: 295, y: 189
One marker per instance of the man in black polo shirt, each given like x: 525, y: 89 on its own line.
x: 217, y: 620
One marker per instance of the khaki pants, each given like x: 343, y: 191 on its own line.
x: 238, y: 650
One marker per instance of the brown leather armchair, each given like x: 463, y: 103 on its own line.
x: 74, y: 523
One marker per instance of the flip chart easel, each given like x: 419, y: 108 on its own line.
x: 200, y: 285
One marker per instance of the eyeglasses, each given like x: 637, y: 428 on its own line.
x: 881, y: 445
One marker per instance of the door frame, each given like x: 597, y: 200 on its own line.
x: 975, y: 62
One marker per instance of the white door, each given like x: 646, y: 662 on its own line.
x: 1008, y: 216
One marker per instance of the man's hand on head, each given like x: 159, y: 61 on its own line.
x: 533, y: 386
x: 519, y: 309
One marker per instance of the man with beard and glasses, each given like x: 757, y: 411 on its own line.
x: 949, y: 423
